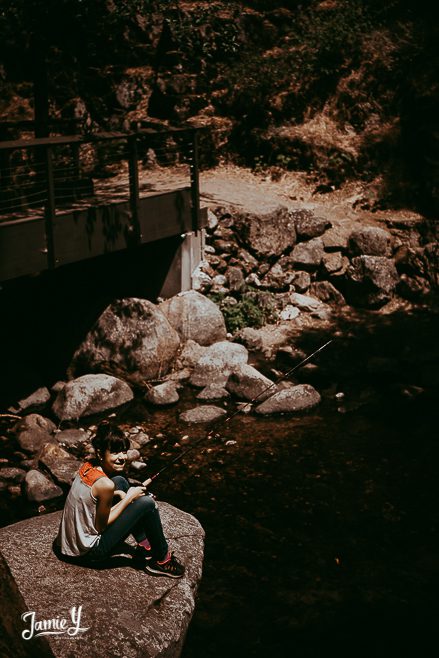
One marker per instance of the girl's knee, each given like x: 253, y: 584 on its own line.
x: 146, y: 503
x: 120, y: 483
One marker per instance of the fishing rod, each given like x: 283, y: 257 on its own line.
x: 237, y: 411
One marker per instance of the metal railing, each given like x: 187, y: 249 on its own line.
x: 44, y: 177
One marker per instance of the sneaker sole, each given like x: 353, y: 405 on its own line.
x: 152, y: 572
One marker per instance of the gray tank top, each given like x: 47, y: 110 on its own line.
x: 77, y: 533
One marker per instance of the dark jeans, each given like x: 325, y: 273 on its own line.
x: 141, y: 519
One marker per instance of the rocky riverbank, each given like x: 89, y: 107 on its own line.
x: 273, y: 275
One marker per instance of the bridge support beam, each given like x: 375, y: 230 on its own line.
x: 187, y: 257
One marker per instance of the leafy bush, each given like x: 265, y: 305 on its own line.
x: 247, y: 311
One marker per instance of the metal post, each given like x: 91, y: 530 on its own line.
x: 195, y: 180
x: 50, y: 210
x: 133, y: 162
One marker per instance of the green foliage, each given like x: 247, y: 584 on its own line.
x: 204, y: 33
x: 246, y: 311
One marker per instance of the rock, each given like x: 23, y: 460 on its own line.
x: 217, y: 363
x: 33, y: 431
x: 213, y: 392
x: 278, y: 278
x: 248, y: 383
x: 412, y: 287
x: 370, y: 241
x: 332, y: 262
x: 253, y: 280
x: 289, y: 312
x: 195, y: 317
x: 12, y: 475
x: 431, y: 260
x: 37, y: 400
x: 373, y: 280
x: 58, y: 386
x: 224, y: 247
x: 235, y: 279
x: 336, y: 238
x: 72, y: 438
x: 301, y: 281
x: 308, y: 254
x: 133, y: 455
x: 132, y: 339
x: 91, y: 394
x: 60, y: 464
x: 201, y: 282
x: 212, y: 220
x: 336, y: 274
x: 156, y: 611
x: 305, y: 302
x: 38, y: 488
x: 205, y: 414
x: 266, y: 340
x: 296, y: 398
x: 308, y: 225
x: 327, y: 293
x: 224, y: 232
x: 138, y: 466
x: 163, y: 394
x: 219, y: 280
x: 269, y: 234
x: 191, y: 353
x: 246, y: 261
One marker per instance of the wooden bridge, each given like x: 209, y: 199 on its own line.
x: 68, y: 199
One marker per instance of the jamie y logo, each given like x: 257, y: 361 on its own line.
x: 56, y: 626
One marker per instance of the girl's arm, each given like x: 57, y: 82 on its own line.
x: 103, y: 490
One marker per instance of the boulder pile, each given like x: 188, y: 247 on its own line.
x: 287, y: 252
x: 297, y: 265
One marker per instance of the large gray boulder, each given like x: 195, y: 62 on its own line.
x: 195, y: 317
x: 248, y: 383
x: 268, y: 234
x: 91, y: 394
x: 149, y: 616
x: 290, y: 400
x: 217, y: 363
x: 132, y: 339
x: 370, y: 241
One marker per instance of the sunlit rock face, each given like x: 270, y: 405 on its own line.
x: 195, y: 317
x: 132, y: 339
x: 124, y: 611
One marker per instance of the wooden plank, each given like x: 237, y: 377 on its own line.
x: 22, y: 248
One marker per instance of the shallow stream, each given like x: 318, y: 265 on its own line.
x: 321, y: 530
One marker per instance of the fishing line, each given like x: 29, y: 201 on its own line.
x: 237, y: 411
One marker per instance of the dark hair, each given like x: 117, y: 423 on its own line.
x: 110, y: 437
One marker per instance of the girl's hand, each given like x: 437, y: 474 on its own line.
x: 135, y: 492
x: 120, y: 494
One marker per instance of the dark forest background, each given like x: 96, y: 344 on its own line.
x: 344, y: 89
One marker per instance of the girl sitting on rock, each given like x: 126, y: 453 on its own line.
x: 92, y: 526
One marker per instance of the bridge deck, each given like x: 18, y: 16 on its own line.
x: 48, y: 220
